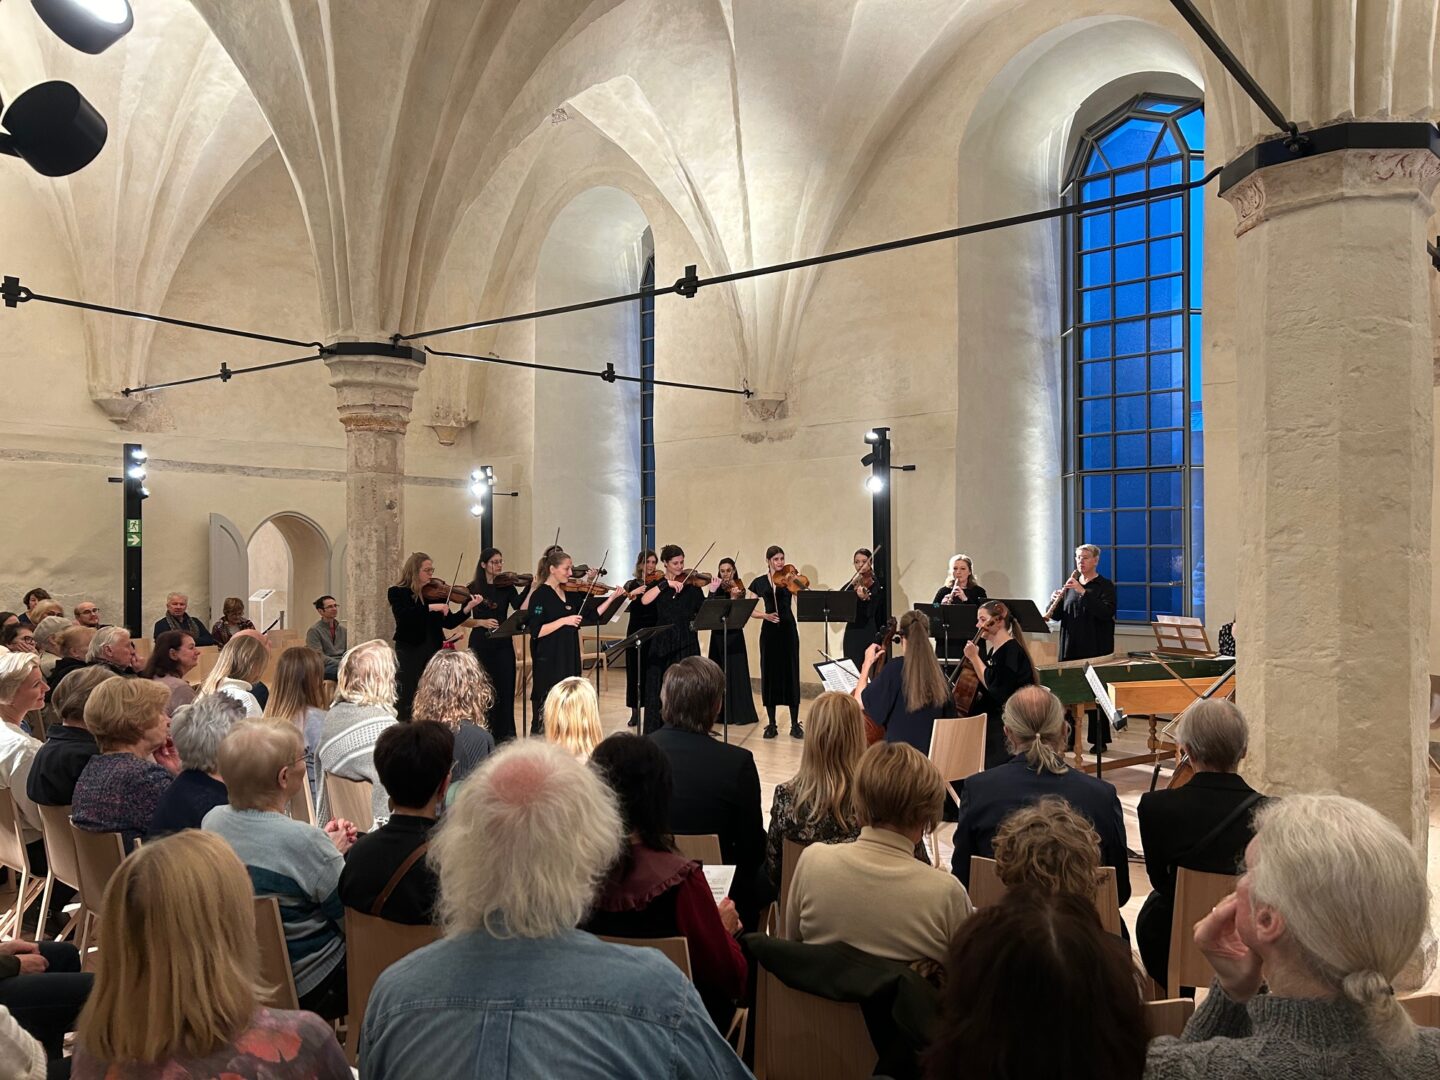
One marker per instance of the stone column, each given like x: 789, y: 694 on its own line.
x: 374, y: 397
x: 1334, y: 426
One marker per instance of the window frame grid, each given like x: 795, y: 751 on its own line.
x: 647, y: 408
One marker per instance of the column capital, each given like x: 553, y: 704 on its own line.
x: 1294, y: 185
x: 374, y: 393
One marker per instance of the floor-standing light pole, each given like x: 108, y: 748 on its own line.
x: 132, y: 469
x: 881, y: 527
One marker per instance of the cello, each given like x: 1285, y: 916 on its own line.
x: 967, y: 682
x: 874, y: 733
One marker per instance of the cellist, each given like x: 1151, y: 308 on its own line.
x: 911, y: 692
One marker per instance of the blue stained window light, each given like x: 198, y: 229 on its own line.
x: 1130, y: 300
x: 1130, y: 375
x: 1130, y: 262
x: 1165, y: 527
x: 1167, y: 448
x: 1166, y: 564
x: 1094, y: 230
x: 1096, y: 163
x: 1166, y: 333
x: 1096, y: 342
x: 1165, y: 489
x: 1171, y: 172
x: 1097, y: 528
x: 1095, y: 416
x: 1166, y: 294
x: 1165, y: 601
x: 1166, y: 147
x: 1095, y: 269
x: 1095, y: 378
x: 1130, y: 603
x: 1130, y: 181
x: 1130, y: 564
x: 1130, y: 526
x: 1095, y: 452
x: 1197, y: 546
x: 1167, y: 371
x: 1131, y: 141
x: 1197, y: 264
x: 1167, y: 215
x: 1096, y: 189
x: 1197, y: 447
x: 1167, y: 256
x: 1155, y: 105
x: 1098, y: 492
x: 1095, y: 305
x: 1130, y: 337
x: 1130, y: 489
x: 1197, y: 382
x: 1130, y: 451
x: 1129, y: 413
x: 1192, y: 127
x: 1130, y: 224
x: 1167, y: 410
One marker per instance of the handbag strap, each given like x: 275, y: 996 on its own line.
x: 1210, y: 837
x: 400, y: 871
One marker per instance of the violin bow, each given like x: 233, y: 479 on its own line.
x: 588, y: 594
x: 458, y: 563
x: 697, y: 564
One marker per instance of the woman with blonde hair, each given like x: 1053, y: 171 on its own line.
x: 1002, y: 664
x: 1049, y: 846
x: 364, y: 706
x: 420, y: 625
x: 298, y: 698
x: 911, y: 692
x: 817, y: 804
x: 960, y: 586
x: 456, y: 692
x: 238, y: 667
x: 22, y: 690
x: 1333, y: 906
x: 572, y: 717
x: 177, y: 994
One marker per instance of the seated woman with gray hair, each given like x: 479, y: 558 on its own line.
x: 1203, y: 825
x: 197, y: 730
x: 1332, y: 907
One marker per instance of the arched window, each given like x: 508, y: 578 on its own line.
x: 1134, y: 484
x: 647, y: 409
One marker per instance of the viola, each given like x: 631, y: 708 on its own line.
x: 439, y: 591
x: 789, y: 577
x: 1183, y: 774
x: 508, y: 580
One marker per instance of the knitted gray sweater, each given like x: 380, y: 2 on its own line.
x: 1275, y: 1038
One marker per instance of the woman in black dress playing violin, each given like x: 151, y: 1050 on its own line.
x: 641, y: 616
x: 779, y: 640
x: 740, y: 701
x: 421, y: 619
x: 555, y: 616
x: 500, y: 594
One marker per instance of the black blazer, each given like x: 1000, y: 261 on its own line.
x: 991, y: 796
x: 1172, y: 822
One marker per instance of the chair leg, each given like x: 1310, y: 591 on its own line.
x: 45, y: 905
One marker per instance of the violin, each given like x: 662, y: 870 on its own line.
x: 583, y: 569
x: 439, y: 591
x: 508, y: 580
x: 735, y: 588
x: 579, y: 586
x: 1183, y: 774
x: 789, y: 577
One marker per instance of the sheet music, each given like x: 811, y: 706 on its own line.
x: 719, y: 879
x: 1102, y: 696
x: 839, y: 675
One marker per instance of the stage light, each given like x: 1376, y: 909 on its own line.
x: 53, y: 129
x: 490, y: 473
x: 91, y: 26
x: 490, y: 480
x: 875, y: 483
x: 137, y: 472
x: 868, y: 460
x: 475, y: 475
x: 144, y: 492
x: 138, y: 454
x: 872, y: 436
x: 477, y: 510
x: 477, y: 489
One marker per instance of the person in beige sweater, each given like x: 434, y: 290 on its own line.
x: 874, y: 894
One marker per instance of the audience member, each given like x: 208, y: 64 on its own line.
x: 42, y: 987
x: 74, y: 644
x: 45, y: 641
x: 817, y: 804
x: 261, y: 763
x: 28, y: 602
x: 874, y: 894
x: 87, y: 613
x: 46, y: 609
x: 21, y: 691
x: 176, y: 993
x: 8, y: 618
x: 260, y: 691
x: 197, y: 730
x: 654, y: 891
x: 572, y: 717
x: 364, y: 707
x: 23, y: 1053
x: 911, y: 691
x: 1035, y: 987
x: 455, y: 691
x: 120, y: 786
x: 1203, y: 825
x: 386, y: 873
x: 68, y: 745
x: 1333, y: 906
x: 299, y: 700
x: 232, y: 618
x: 18, y: 638
x: 328, y: 637
x: 1035, y: 731
x: 173, y: 656
x: 241, y: 662
x: 176, y: 618
x: 520, y: 854
x: 1049, y: 847
x: 717, y: 788
x: 113, y: 648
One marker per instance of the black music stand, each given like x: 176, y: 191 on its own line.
x: 824, y: 606
x: 636, y: 641
x: 1028, y: 615
x: 519, y: 623
x: 593, y: 616
x: 947, y: 621
x: 720, y: 613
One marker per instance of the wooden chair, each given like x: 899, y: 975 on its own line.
x: 64, y: 866
x: 704, y: 848
x: 350, y: 799
x: 1168, y: 1017
x: 790, y: 852
x: 97, y: 857
x: 276, y: 976
x: 799, y: 1036
x: 1424, y: 1009
x: 677, y: 951
x: 12, y: 856
x: 1195, y: 894
x: 957, y: 749
x: 302, y: 806
x: 371, y: 946
x: 986, y: 890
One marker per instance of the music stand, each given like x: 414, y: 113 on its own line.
x: 722, y: 613
x: 1028, y: 615
x: 593, y: 616
x: 636, y: 641
x: 519, y: 623
x: 825, y: 606
x: 947, y: 621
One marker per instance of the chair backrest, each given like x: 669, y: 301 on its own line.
x: 12, y: 840
x: 799, y: 1036
x: 350, y: 799
x: 1424, y: 1009
x: 1196, y: 893
x: 302, y: 805
x: 60, y: 845
x: 790, y: 852
x: 1168, y: 1017
x: 98, y: 855
x: 957, y: 748
x: 676, y: 949
x: 986, y: 889
x: 276, y: 975
x: 704, y: 848
x: 371, y: 946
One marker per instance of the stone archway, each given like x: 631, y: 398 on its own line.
x: 290, y: 553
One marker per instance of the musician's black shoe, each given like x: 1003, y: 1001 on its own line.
x: 634, y: 720
x: 771, y: 731
x: 796, y: 731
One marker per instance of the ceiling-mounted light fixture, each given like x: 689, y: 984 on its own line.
x: 91, y: 26
x: 53, y: 128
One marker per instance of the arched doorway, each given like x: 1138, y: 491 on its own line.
x: 289, y: 554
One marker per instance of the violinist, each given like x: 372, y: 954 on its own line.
x: 675, y: 598
x: 1001, y: 661
x: 421, y: 605
x: 641, y: 616
x: 555, y: 630
x: 911, y: 691
x: 499, y: 593
x: 779, y: 641
x: 869, y: 603
x: 961, y: 587
x: 732, y: 641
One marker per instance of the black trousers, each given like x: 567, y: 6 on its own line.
x: 47, y: 1004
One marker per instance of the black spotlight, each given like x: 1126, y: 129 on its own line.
x: 54, y: 128
x: 91, y: 26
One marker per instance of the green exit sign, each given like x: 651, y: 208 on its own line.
x: 132, y: 532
